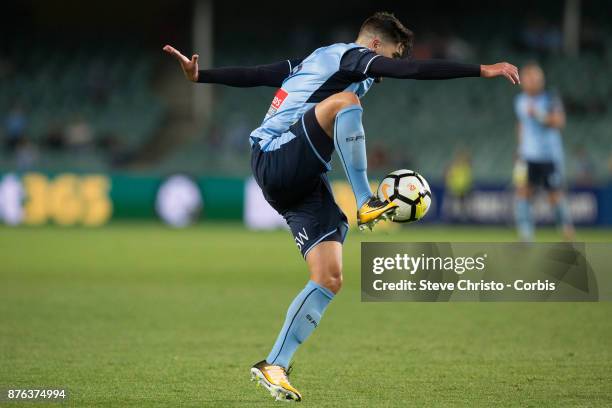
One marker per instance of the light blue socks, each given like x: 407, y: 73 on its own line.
x: 303, y: 317
x: 524, y: 221
x: 562, y: 213
x: 349, y: 139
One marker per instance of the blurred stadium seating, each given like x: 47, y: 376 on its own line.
x: 415, y: 124
x: 107, y: 87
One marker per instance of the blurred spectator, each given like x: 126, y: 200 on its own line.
x: 79, y: 133
x: 457, y: 48
x: 458, y: 182
x: 540, y: 35
x: 443, y: 46
x: 213, y: 136
x: 116, y: 152
x: 238, y: 126
x: 26, y: 154
x: 98, y: 86
x: 592, y: 36
x: 450, y: 46
x: 584, y: 168
x: 54, y: 138
x: 15, y: 127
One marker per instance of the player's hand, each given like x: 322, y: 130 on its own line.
x: 189, y: 66
x: 501, y: 69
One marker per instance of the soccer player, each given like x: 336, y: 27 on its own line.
x: 540, y: 118
x: 315, y: 111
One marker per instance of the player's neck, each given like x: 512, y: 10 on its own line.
x: 535, y: 94
x: 364, y: 42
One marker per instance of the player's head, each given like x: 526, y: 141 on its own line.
x: 532, y: 78
x: 384, y: 34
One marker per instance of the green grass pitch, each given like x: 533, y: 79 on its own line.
x: 140, y: 315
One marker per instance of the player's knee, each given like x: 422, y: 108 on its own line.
x: 522, y: 192
x: 347, y: 99
x: 554, y: 197
x: 333, y: 277
x: 328, y: 275
x: 342, y: 100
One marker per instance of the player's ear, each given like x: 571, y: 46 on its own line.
x: 376, y: 43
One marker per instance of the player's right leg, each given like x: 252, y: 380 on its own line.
x: 522, y: 206
x: 523, y: 216
x: 562, y: 214
x: 340, y: 117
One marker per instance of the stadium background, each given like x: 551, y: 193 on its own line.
x: 87, y: 91
x: 99, y: 129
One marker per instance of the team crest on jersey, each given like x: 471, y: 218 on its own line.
x: 279, y: 97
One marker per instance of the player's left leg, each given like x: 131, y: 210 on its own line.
x: 563, y: 218
x: 554, y: 183
x: 340, y: 117
x: 303, y: 316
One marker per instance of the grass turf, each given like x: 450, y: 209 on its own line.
x: 140, y: 315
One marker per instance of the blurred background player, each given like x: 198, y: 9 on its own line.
x: 458, y: 183
x: 540, y: 118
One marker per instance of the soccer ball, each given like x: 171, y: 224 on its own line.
x: 410, y: 191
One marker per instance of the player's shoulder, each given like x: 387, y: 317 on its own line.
x: 357, y: 58
x: 338, y: 49
x: 343, y: 56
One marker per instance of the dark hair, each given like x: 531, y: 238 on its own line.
x: 390, y: 29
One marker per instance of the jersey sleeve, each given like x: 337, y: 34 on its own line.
x: 271, y: 75
x: 420, y: 69
x: 357, y: 61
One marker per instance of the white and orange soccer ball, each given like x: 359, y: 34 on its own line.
x: 410, y: 191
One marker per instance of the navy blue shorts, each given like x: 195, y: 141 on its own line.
x: 294, y: 181
x: 546, y: 175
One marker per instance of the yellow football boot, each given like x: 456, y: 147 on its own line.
x: 275, y: 379
x: 375, y: 210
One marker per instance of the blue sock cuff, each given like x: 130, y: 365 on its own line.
x: 348, y: 109
x: 324, y: 290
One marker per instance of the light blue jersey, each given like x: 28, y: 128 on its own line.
x: 327, y: 71
x: 538, y: 143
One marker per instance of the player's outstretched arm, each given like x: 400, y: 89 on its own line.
x: 509, y: 71
x: 271, y: 75
x: 439, y: 69
x: 189, y: 66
